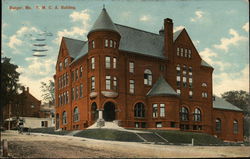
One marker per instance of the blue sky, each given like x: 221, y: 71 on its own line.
x: 218, y: 28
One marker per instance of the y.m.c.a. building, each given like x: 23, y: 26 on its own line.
x: 140, y: 80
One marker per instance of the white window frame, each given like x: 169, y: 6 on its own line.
x: 92, y: 83
x: 132, y: 86
x: 155, y: 110
x: 162, y: 110
x: 106, y: 43
x: 107, y: 62
x: 108, y: 82
x: 92, y: 63
x: 114, y: 62
x: 131, y: 67
x: 148, y: 77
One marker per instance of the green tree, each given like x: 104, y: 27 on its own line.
x: 238, y: 98
x: 48, y: 90
x: 9, y: 83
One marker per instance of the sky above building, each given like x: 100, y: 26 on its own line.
x: 218, y: 28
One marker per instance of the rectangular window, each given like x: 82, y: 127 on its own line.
x: 181, y: 52
x: 72, y: 94
x: 158, y: 124
x: 115, y: 83
x: 107, y: 62
x: 92, y: 63
x: 76, y: 97
x: 106, y: 43
x: 131, y: 86
x: 178, y: 51
x: 155, y: 110
x: 186, y: 53
x: 162, y: 110
x: 114, y: 44
x: 111, y: 43
x: 92, y: 83
x: 67, y: 97
x: 190, y: 94
x: 59, y: 98
x: 81, y: 90
x: 189, y: 54
x: 81, y: 71
x: 178, y: 91
x: 131, y: 67
x: 93, y: 44
x: 178, y: 78
x: 114, y: 62
x: 108, y: 82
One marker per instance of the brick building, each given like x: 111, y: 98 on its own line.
x: 141, y: 80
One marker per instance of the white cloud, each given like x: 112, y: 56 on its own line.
x: 233, y: 40
x: 75, y: 31
x: 199, y: 14
x: 178, y: 28
x: 246, y: 27
x: 14, y: 42
x: 210, y: 57
x: 145, y: 18
x: 18, y: 40
x: 232, y: 81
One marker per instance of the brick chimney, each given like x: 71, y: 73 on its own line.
x: 168, y: 39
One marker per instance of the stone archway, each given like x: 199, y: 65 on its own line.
x: 109, y: 111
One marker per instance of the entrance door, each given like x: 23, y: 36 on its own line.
x: 109, y: 111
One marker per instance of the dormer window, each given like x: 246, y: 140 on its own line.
x: 106, y: 43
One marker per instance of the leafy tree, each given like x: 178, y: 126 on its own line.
x: 240, y: 99
x: 48, y: 90
x: 9, y: 83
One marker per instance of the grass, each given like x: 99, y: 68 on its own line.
x: 49, y: 130
x: 181, y: 137
x: 109, y: 134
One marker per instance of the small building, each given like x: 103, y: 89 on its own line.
x: 140, y: 80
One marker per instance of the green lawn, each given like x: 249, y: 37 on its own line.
x: 109, y: 134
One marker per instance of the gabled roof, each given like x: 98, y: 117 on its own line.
x: 142, y: 42
x: 103, y: 22
x: 220, y: 103
x: 161, y: 87
x: 74, y: 46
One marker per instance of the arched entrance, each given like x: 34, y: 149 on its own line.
x: 109, y: 111
x: 94, y: 112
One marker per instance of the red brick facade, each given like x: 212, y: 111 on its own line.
x: 138, y: 109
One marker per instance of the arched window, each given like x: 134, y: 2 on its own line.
x: 218, y: 125
x: 197, y: 114
x: 184, y: 114
x: 139, y: 110
x: 235, y: 127
x: 64, y: 117
x: 148, y: 77
x: 76, y: 114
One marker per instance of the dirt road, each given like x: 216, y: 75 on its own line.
x: 47, y: 146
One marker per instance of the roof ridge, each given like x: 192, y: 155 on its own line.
x: 73, y: 39
x: 137, y: 29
